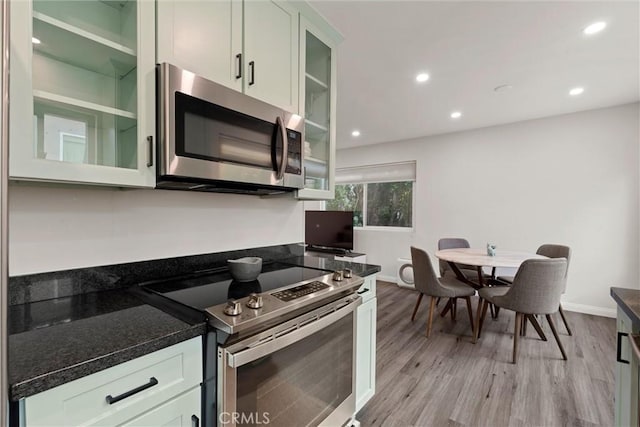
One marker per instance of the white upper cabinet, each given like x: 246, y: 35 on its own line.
x: 318, y: 106
x: 204, y: 37
x: 82, y: 91
x: 249, y: 46
x: 271, y: 53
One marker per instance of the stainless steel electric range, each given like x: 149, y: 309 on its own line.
x: 280, y: 349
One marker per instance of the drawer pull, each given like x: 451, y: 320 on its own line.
x: 111, y: 400
x: 195, y: 421
x: 619, y: 348
x: 364, y: 291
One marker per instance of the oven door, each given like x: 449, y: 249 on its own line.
x: 300, y: 373
x: 210, y: 132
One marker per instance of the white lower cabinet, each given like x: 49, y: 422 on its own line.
x: 162, y: 386
x: 627, y: 375
x: 183, y: 411
x: 366, y: 343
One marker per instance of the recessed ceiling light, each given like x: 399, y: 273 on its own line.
x: 355, y: 133
x: 576, y: 91
x: 594, y: 28
x: 422, y: 77
x: 35, y: 40
x: 502, y: 88
x: 456, y: 115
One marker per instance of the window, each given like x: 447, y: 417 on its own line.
x: 349, y: 197
x: 379, y: 196
x: 73, y: 148
x: 64, y: 135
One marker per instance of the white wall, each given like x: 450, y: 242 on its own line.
x: 570, y: 179
x: 55, y: 228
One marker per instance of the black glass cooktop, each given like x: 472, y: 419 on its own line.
x: 205, y: 291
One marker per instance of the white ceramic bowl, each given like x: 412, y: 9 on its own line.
x: 245, y: 269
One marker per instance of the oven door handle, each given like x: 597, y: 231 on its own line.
x: 243, y: 357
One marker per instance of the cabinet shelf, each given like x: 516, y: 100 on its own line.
x: 125, y: 119
x: 316, y: 126
x: 315, y: 133
x: 314, y: 160
x: 52, y: 97
x: 314, y: 84
x: 315, y: 168
x: 314, y: 183
x: 81, y: 48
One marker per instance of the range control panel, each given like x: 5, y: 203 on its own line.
x: 300, y: 291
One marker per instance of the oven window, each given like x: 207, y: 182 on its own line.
x: 301, y: 384
x: 211, y: 132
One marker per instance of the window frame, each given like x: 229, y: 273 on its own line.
x: 365, y: 200
x: 63, y: 135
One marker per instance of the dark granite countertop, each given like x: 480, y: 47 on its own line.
x: 322, y: 263
x: 55, y: 341
x: 629, y: 301
x: 64, y: 325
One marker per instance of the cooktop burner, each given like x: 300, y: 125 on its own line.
x: 279, y: 292
x: 206, y: 291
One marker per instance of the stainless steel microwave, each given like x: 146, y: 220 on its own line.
x: 212, y: 138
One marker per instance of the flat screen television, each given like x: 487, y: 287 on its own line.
x: 329, y: 230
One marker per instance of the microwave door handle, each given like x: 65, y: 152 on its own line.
x: 285, y: 149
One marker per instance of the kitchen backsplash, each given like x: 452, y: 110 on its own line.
x: 60, y: 228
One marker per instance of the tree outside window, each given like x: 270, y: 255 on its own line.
x: 349, y: 197
x: 389, y: 204
x: 386, y: 204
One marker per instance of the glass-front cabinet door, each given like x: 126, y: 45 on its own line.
x: 318, y: 105
x: 82, y: 91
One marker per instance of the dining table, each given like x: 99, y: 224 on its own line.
x: 480, y: 259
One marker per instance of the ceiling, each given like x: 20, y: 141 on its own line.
x: 468, y: 49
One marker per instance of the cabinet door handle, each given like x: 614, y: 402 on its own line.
x: 195, y: 421
x: 150, y: 153
x: 619, y: 348
x: 239, y: 66
x: 111, y: 400
x: 364, y: 291
x: 252, y: 76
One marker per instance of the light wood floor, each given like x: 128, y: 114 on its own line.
x: 447, y: 380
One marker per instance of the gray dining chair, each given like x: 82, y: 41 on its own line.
x: 552, y: 251
x: 469, y: 271
x: 536, y: 289
x: 427, y: 283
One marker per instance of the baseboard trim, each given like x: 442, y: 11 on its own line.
x: 567, y: 306
x: 589, y: 309
x: 395, y: 281
x: 391, y: 279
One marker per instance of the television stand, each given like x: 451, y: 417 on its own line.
x: 351, y: 257
x: 337, y: 254
x: 323, y: 249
